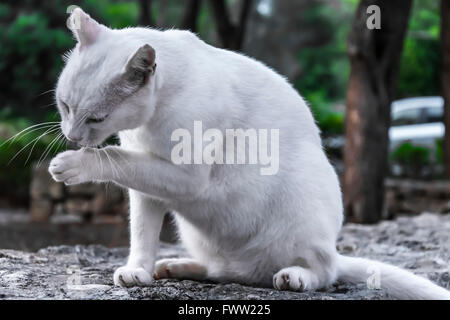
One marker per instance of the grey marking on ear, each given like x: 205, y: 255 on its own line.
x: 137, y: 72
x: 141, y: 66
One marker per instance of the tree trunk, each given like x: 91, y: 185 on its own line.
x: 374, y: 57
x: 190, y: 15
x: 232, y: 36
x: 145, y: 17
x: 445, y: 40
x: 161, y: 21
x: 243, y: 17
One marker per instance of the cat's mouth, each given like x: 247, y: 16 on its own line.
x: 98, y: 144
x: 79, y: 145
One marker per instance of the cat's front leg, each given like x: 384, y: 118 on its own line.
x: 77, y: 166
x: 146, y: 216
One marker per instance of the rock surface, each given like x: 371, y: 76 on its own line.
x: 420, y: 244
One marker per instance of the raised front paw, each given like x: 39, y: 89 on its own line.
x: 72, y: 167
x: 131, y: 277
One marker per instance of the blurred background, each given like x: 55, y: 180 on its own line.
x: 378, y: 95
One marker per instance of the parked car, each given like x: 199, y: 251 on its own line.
x: 416, y: 129
x: 418, y: 121
x: 417, y: 126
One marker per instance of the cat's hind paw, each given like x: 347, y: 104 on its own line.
x: 292, y: 278
x: 132, y: 277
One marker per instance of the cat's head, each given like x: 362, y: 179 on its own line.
x: 106, y: 84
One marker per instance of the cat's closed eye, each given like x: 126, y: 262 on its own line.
x: 96, y: 120
x: 65, y: 107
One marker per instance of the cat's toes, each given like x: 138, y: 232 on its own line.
x: 68, y: 167
x: 290, y: 279
x: 131, y: 277
x: 162, y: 270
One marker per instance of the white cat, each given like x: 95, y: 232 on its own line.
x: 237, y: 224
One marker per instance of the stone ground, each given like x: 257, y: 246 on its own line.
x: 419, y: 243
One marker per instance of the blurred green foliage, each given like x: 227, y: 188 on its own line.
x: 421, y: 60
x: 33, y: 38
x: 17, y: 154
x: 439, y: 151
x: 114, y: 14
x: 411, y: 158
x: 29, y: 60
x: 409, y: 154
x: 325, y: 69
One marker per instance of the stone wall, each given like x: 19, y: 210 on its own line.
x: 97, y: 204
x: 405, y: 196
x: 54, y: 202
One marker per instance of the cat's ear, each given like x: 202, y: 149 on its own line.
x: 141, y: 65
x: 85, y: 29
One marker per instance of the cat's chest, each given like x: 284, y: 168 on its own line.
x: 137, y: 140
x: 142, y: 140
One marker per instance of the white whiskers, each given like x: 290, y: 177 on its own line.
x: 50, y: 128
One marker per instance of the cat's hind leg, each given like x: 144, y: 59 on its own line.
x: 180, y: 268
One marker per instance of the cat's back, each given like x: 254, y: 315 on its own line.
x: 263, y: 97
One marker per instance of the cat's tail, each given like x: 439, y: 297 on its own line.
x: 399, y: 283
